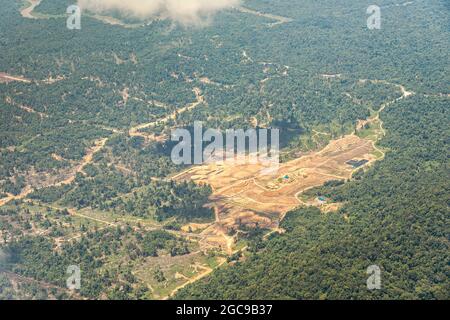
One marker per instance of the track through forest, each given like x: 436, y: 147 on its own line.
x: 279, y: 19
x: 100, y: 144
x: 27, y: 12
x: 235, y: 195
x: 136, y: 131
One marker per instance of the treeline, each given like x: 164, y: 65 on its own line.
x: 105, y: 258
x: 111, y: 190
x: 395, y: 217
x: 185, y: 201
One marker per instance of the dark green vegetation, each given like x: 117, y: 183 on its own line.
x: 303, y: 77
x: 159, y: 199
x: 28, y: 289
x: 397, y: 218
x: 105, y: 256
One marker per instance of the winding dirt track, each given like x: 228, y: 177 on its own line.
x: 27, y: 12
x: 405, y: 94
x: 194, y: 279
x: 22, y: 279
x: 100, y: 144
x: 87, y: 159
x: 5, y: 78
x: 134, y: 131
x: 279, y: 19
x: 241, y: 194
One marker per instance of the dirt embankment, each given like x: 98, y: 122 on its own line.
x: 70, y: 176
x: 244, y: 195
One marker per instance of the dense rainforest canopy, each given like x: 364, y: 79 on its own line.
x: 85, y: 163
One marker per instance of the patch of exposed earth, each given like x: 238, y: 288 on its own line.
x: 6, y: 78
x: 247, y: 194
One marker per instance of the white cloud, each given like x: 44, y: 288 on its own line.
x: 183, y: 11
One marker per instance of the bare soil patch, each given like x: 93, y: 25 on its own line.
x: 6, y: 78
x: 27, y: 12
x: 243, y: 195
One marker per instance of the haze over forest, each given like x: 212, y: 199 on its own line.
x: 88, y: 181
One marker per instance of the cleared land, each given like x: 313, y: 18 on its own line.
x: 278, y: 19
x: 245, y: 195
x: 27, y: 11
x: 6, y: 78
x: 64, y: 179
x: 44, y: 181
x: 136, y: 131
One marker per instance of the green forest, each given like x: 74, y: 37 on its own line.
x: 86, y: 176
x: 397, y: 218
